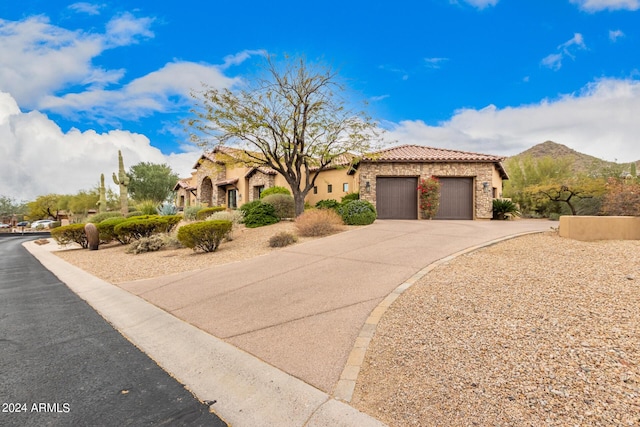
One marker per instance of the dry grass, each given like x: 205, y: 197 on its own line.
x: 318, y: 222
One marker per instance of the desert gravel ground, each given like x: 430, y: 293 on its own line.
x: 535, y: 331
x: 113, y: 264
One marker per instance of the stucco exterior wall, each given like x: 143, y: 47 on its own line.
x: 336, y: 178
x: 590, y: 228
x: 481, y: 172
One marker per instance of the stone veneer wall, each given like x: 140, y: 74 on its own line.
x: 215, y: 172
x: 482, y: 172
x: 257, y: 179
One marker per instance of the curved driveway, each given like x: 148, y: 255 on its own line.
x: 301, y: 308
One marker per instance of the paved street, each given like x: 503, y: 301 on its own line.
x: 63, y: 364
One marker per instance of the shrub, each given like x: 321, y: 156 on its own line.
x: 147, y: 207
x: 327, y: 204
x: 274, y: 190
x: 349, y: 197
x: 55, y: 224
x: 318, y: 222
x: 283, y: 204
x: 134, y: 213
x: 69, y: 234
x: 98, y: 218
x: 167, y: 209
x: 258, y: 214
x: 138, y: 227
x: 504, y: 209
x: 236, y: 218
x: 203, y: 213
x: 146, y: 244
x: 190, y: 212
x: 357, y: 212
x: 107, y: 232
x: 205, y: 235
x: 282, y: 239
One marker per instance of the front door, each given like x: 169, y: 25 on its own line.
x: 231, y: 199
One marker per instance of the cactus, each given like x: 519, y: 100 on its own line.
x: 102, y: 203
x: 123, y: 181
x: 93, y: 237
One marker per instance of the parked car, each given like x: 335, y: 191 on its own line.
x: 43, y: 223
x: 2, y: 225
x: 22, y: 224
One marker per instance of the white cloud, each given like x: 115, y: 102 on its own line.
x: 554, y: 60
x: 614, y: 35
x: 599, y: 5
x: 240, y: 57
x: 599, y: 121
x: 479, y: 4
x: 126, y: 29
x: 435, y: 63
x: 37, y: 158
x: 88, y: 8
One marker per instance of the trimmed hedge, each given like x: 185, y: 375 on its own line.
x: 258, y: 214
x: 284, y: 205
x: 274, y: 190
x: 205, y: 235
x: 99, y: 217
x: 357, y: 212
x: 207, y: 212
x: 107, y: 232
x: 69, y: 234
x: 138, y: 227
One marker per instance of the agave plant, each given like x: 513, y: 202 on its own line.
x: 167, y: 209
x: 504, y: 209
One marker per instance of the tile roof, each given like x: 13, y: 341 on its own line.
x: 184, y: 183
x: 421, y: 153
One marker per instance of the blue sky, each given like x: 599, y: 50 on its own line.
x: 78, y: 81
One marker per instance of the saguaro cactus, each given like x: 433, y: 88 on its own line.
x: 123, y: 181
x: 93, y: 237
x: 102, y: 203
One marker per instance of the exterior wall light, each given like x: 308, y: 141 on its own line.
x: 367, y: 186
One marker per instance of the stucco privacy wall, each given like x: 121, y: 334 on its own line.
x: 482, y: 172
x: 590, y: 228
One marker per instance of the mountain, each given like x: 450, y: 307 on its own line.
x: 581, y: 162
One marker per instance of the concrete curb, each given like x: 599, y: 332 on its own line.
x: 247, y: 390
x: 347, y: 382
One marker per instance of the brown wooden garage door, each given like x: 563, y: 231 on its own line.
x: 397, y: 198
x: 456, y: 198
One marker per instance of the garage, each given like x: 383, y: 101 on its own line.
x: 456, y: 198
x: 397, y: 197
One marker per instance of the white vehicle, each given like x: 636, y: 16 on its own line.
x: 43, y: 223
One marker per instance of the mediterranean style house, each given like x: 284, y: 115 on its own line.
x: 388, y: 179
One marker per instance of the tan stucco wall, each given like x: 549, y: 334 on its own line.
x: 336, y: 178
x: 481, y: 172
x: 590, y: 228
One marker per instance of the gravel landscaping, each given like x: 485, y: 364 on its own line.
x: 534, y: 331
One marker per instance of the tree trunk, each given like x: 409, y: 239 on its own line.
x: 298, y: 198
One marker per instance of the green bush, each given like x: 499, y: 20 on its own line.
x: 349, y: 197
x: 146, y: 244
x: 504, y: 209
x: 147, y: 207
x: 190, y: 212
x: 327, y: 204
x: 134, y: 213
x: 283, y: 204
x: 282, y: 239
x: 204, y: 213
x: 55, y: 224
x: 258, y: 214
x: 106, y: 228
x: 69, y: 234
x: 99, y: 217
x: 274, y: 190
x: 137, y: 227
x: 357, y: 212
x: 205, y: 235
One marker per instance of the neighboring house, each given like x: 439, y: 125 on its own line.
x: 388, y: 179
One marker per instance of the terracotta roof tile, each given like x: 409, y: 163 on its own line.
x: 421, y: 153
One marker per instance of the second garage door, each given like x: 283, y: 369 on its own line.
x: 456, y: 198
x: 397, y: 197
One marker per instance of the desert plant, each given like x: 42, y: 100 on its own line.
x: 327, y: 204
x: 135, y: 213
x: 146, y: 244
x: 122, y: 180
x: 258, y: 214
x: 429, y: 196
x: 205, y: 235
x: 190, y: 212
x: 167, y: 209
x: 504, y: 209
x: 203, y: 213
x: 349, y: 197
x: 72, y: 233
x: 284, y: 205
x: 102, y: 200
x: 147, y: 207
x: 318, y: 222
x: 357, y: 212
x: 274, y: 190
x: 107, y: 232
x: 282, y: 239
x: 98, y: 218
x: 93, y: 237
x: 135, y: 228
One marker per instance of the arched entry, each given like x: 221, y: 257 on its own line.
x: 206, y: 191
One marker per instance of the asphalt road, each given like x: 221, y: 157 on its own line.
x: 62, y: 364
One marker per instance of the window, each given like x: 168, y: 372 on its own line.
x: 257, y: 191
x: 231, y: 197
x: 315, y: 189
x: 329, y: 188
x: 345, y: 187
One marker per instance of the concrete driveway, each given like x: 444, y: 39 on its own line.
x: 301, y: 308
